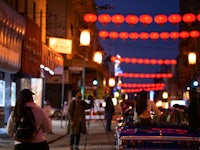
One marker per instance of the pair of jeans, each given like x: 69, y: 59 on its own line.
x: 76, y: 138
x: 108, y: 120
x: 32, y: 146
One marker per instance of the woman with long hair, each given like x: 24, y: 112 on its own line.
x: 143, y: 108
x: 42, y: 122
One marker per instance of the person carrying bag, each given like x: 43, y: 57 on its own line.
x: 28, y: 123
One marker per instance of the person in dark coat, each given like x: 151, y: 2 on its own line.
x: 194, y: 110
x: 77, y: 123
x: 109, y: 111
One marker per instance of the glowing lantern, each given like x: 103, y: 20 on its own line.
x: 160, y: 61
x: 131, y: 19
x: 118, y: 19
x: 123, y: 35
x: 194, y: 33
x: 164, y: 35
x: 133, y: 60
x: 173, y: 62
x: 145, y: 19
x: 133, y: 35
x: 184, y: 34
x: 174, y: 35
x: 166, y: 61
x: 189, y: 18
x: 144, y: 35
x: 154, y: 35
x: 198, y: 17
x: 104, y: 18
x: 103, y: 34
x: 160, y: 19
x: 113, y: 35
x: 140, y: 61
x: 90, y: 18
x: 146, y: 61
x: 153, y: 61
x: 174, y: 18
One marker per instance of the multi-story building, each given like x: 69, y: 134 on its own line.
x: 27, y: 28
x: 184, y: 73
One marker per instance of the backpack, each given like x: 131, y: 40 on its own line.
x: 25, y: 128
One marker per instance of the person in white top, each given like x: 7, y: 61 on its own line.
x: 143, y: 108
x: 43, y: 122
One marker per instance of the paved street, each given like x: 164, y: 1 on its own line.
x: 96, y: 138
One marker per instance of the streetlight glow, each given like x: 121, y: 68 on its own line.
x: 192, y: 58
x: 85, y: 37
x: 98, y: 57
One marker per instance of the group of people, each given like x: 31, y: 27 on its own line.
x: 76, y: 124
x: 76, y: 116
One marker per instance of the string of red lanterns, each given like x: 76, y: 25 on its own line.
x: 146, y: 75
x: 145, y: 19
x: 140, y: 89
x: 152, y: 35
x: 141, y: 85
x: 145, y: 61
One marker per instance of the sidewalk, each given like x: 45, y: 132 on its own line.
x: 59, y: 130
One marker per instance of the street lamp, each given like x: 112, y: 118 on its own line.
x: 98, y: 56
x: 111, y: 82
x: 84, y: 41
x: 192, y: 61
x: 165, y: 97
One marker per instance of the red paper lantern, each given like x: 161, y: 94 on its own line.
x: 174, y: 35
x: 198, y: 17
x: 164, y: 35
x: 160, y: 61
x: 145, y: 19
x: 174, y: 18
x: 184, y: 34
x: 189, y: 18
x: 173, y: 61
x: 146, y: 61
x: 127, y: 60
x: 166, y: 61
x: 153, y: 61
x: 160, y: 19
x: 113, y: 35
x: 123, y: 35
x: 133, y: 60
x: 194, y: 33
x: 133, y: 35
x: 154, y: 35
x: 103, y: 34
x: 144, y: 35
x: 140, y: 61
x: 131, y: 19
x: 90, y: 18
x: 104, y: 18
x: 118, y: 19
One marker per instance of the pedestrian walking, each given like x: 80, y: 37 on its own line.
x: 77, y: 122
x: 109, y: 111
x: 24, y: 107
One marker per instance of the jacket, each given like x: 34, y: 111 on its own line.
x: 76, y: 113
x: 42, y: 121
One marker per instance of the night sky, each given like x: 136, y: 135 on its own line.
x: 158, y: 49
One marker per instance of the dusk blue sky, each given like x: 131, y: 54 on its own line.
x: 139, y: 48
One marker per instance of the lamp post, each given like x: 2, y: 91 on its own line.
x: 192, y: 62
x: 84, y: 41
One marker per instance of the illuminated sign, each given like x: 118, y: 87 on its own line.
x: 61, y: 45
